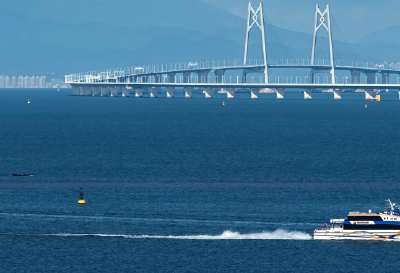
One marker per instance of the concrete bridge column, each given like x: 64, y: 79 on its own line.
x: 75, y: 90
x: 312, y: 74
x: 244, y: 77
x: 154, y: 92
x: 104, y: 91
x: 254, y: 93
x: 308, y: 94
x: 170, y: 92
x: 186, y: 77
x: 114, y: 91
x: 138, y: 93
x: 81, y: 91
x: 188, y: 92
x: 202, y: 76
x: 95, y: 91
x: 88, y: 90
x: 385, y: 78
x: 171, y: 77
x: 337, y: 94
x: 209, y: 93
x: 280, y: 93
x: 371, y: 79
x: 219, y: 76
x: 355, y: 76
x: 230, y: 92
x: 399, y: 94
x: 126, y: 92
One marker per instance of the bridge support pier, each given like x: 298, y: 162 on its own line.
x: 280, y: 93
x: 125, y: 92
x: 88, y: 91
x: 371, y: 78
x: 95, y: 91
x: 369, y: 94
x: 154, y: 92
x: 355, y: 76
x: 209, y: 93
x: 230, y: 92
x: 81, y: 91
x: 75, y: 90
x: 219, y: 76
x: 186, y: 77
x: 188, y: 92
x: 138, y: 93
x: 202, y: 76
x: 104, y: 91
x: 308, y: 94
x: 337, y: 94
x: 114, y: 91
x: 170, y: 92
x: 385, y: 78
x: 254, y: 93
x: 399, y: 94
x: 171, y: 78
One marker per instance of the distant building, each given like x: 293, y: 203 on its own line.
x: 21, y: 82
x: 42, y: 82
x: 13, y: 82
x: 31, y: 82
x: 7, y: 82
x: 26, y: 82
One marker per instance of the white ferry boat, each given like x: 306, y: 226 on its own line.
x: 383, y: 226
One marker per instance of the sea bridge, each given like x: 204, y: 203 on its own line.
x: 250, y: 75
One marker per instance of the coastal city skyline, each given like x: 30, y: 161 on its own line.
x: 30, y: 82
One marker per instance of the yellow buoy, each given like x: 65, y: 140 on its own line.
x: 378, y: 97
x: 81, y: 201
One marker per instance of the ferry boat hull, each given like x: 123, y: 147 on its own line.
x: 375, y: 235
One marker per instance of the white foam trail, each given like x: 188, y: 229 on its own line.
x: 227, y: 235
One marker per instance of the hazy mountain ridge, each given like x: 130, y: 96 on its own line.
x: 35, y: 45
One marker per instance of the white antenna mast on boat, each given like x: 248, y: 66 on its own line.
x: 391, y: 205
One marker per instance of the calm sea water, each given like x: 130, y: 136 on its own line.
x: 178, y: 185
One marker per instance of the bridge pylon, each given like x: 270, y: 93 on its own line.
x: 325, y: 22
x: 256, y: 18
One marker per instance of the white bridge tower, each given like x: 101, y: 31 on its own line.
x: 255, y: 18
x: 325, y: 22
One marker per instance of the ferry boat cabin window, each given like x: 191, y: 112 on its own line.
x: 364, y: 218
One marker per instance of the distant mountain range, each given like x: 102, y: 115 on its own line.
x: 62, y: 37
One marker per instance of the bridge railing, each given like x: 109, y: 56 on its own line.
x: 110, y: 75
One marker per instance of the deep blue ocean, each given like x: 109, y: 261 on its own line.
x: 190, y: 185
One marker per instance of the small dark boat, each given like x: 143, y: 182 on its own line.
x: 22, y: 174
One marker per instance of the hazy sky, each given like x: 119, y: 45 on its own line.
x: 356, y: 18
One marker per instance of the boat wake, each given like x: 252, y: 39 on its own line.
x: 226, y: 235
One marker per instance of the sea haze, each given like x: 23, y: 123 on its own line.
x: 192, y: 185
